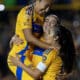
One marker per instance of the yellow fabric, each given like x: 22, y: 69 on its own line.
x: 27, y: 62
x: 24, y: 21
x: 53, y: 62
x: 53, y: 69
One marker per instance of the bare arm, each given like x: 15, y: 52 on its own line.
x: 30, y: 38
x: 36, y: 72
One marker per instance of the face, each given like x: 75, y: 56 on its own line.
x: 50, y: 22
x: 42, y: 6
x: 49, y: 27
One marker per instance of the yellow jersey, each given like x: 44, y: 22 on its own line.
x: 26, y: 18
x: 52, y: 61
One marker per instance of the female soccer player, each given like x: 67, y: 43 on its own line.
x: 29, y: 23
x: 42, y: 59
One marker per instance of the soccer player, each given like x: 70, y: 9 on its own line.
x: 29, y: 23
x: 43, y: 59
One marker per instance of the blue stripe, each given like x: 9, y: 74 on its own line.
x: 20, y: 70
x: 38, y: 51
x: 24, y: 50
x: 36, y: 28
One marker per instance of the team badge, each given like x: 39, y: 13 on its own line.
x: 44, y: 58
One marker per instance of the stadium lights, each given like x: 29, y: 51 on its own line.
x: 2, y: 7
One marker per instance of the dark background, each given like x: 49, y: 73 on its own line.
x: 67, y: 10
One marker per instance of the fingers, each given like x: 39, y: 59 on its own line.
x: 16, y: 40
x: 11, y: 43
x: 56, y: 47
x: 46, y: 29
x: 14, y: 61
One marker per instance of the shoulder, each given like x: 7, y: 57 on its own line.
x: 25, y: 11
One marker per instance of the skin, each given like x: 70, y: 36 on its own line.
x: 40, y: 7
x: 49, y: 38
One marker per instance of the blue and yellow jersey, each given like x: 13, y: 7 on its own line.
x: 51, y: 59
x: 26, y: 19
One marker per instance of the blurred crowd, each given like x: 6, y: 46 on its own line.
x: 69, y: 18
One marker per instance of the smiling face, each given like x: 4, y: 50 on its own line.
x: 51, y: 21
x: 49, y: 28
x: 42, y: 6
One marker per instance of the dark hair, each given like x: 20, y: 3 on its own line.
x: 67, y: 51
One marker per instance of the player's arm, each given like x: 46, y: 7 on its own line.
x: 32, y: 39
x: 36, y: 72
x: 25, y: 22
x: 40, y: 68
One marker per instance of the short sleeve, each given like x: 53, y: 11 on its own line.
x: 25, y: 19
x: 49, y: 56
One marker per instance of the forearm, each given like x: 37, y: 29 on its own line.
x: 32, y: 39
x: 39, y: 43
x: 35, y: 73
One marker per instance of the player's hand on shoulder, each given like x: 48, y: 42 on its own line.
x: 15, y: 40
x: 56, y: 47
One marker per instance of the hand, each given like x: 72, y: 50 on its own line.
x: 15, y: 60
x: 55, y: 46
x: 46, y: 29
x: 15, y: 40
